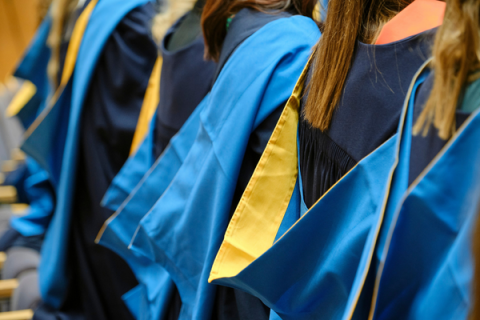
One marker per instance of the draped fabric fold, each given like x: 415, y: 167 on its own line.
x: 425, y: 267
x: 53, y: 138
x: 183, y: 231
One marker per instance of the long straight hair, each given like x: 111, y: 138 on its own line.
x: 456, y: 56
x: 216, y: 13
x: 168, y: 14
x: 61, y: 10
x: 347, y: 22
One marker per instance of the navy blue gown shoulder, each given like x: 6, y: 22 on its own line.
x: 367, y: 114
x: 425, y: 148
x: 186, y: 80
x: 233, y: 304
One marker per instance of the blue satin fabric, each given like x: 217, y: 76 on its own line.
x: 184, y: 229
x: 154, y: 292
x: 54, y: 145
x: 322, y: 261
x: 427, y: 239
x: 41, y: 198
x: 35, y: 184
x: 183, y: 71
x: 33, y: 67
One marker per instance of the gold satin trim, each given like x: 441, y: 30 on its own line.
x: 258, y: 216
x: 23, y: 96
x: 70, y: 61
x: 150, y: 103
x: 414, y: 184
x: 255, y: 223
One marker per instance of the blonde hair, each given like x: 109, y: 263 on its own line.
x: 61, y: 10
x: 456, y: 55
x: 167, y: 17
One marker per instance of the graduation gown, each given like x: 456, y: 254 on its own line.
x: 54, y: 141
x: 312, y: 263
x: 424, y: 260
x: 32, y: 97
x: 183, y: 70
x: 183, y: 230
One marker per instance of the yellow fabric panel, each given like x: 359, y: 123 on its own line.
x: 17, y: 315
x: 70, y: 61
x: 74, y: 44
x: 26, y: 92
x: 266, y: 198
x: 150, y: 103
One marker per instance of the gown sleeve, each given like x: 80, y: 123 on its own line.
x: 40, y: 196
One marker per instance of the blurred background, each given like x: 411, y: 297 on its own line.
x: 18, y: 22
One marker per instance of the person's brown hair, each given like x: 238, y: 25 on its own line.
x: 216, y: 13
x: 456, y: 57
x: 61, y: 10
x: 347, y: 22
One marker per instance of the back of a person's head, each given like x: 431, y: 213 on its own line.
x: 456, y: 61
x: 347, y: 22
x: 217, y: 12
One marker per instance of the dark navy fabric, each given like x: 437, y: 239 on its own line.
x: 425, y: 148
x: 188, y: 29
x: 233, y: 304
x: 8, y: 238
x: 32, y: 242
x: 245, y: 23
x: 17, y: 179
x: 183, y: 71
x: 367, y: 114
x: 109, y: 119
x: 186, y: 79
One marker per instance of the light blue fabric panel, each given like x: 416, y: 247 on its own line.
x: 46, y: 144
x: 274, y: 316
x: 312, y: 271
x: 41, y: 197
x: 33, y: 67
x: 134, y: 300
x: 121, y: 228
x: 428, y: 268
x: 185, y: 228
x: 54, y: 145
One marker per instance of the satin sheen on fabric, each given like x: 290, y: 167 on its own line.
x: 435, y: 215
x: 330, y: 253
x: 194, y: 211
x: 53, y: 138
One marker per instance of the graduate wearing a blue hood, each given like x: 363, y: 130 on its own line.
x: 424, y: 259
x: 261, y: 48
x: 186, y: 78
x: 102, y: 55
x: 304, y: 231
